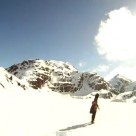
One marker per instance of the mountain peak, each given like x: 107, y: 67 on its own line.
x: 119, y: 76
x: 120, y: 83
x: 58, y: 76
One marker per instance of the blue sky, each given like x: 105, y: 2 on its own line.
x: 64, y: 30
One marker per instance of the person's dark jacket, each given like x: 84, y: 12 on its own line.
x: 94, y: 107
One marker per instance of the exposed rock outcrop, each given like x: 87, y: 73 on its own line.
x: 58, y: 76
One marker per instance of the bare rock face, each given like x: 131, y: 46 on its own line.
x: 58, y: 76
x: 100, y: 86
x: 39, y: 81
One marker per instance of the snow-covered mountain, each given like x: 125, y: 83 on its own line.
x: 9, y: 81
x: 58, y: 76
x: 125, y: 88
x: 62, y: 77
x: 122, y: 84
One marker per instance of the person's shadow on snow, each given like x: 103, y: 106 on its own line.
x: 76, y: 126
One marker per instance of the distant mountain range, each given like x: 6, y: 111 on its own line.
x: 125, y: 88
x: 62, y: 77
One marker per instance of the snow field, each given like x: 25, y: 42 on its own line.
x: 33, y: 113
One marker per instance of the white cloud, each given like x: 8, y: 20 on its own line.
x: 101, y: 69
x: 116, y: 38
x: 116, y: 41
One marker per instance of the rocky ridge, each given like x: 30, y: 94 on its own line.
x: 59, y: 76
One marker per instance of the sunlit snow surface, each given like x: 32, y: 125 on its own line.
x: 46, y: 113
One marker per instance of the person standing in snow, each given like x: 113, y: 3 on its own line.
x: 94, y: 107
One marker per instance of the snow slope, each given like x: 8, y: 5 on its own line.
x: 47, y: 113
x: 9, y: 81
